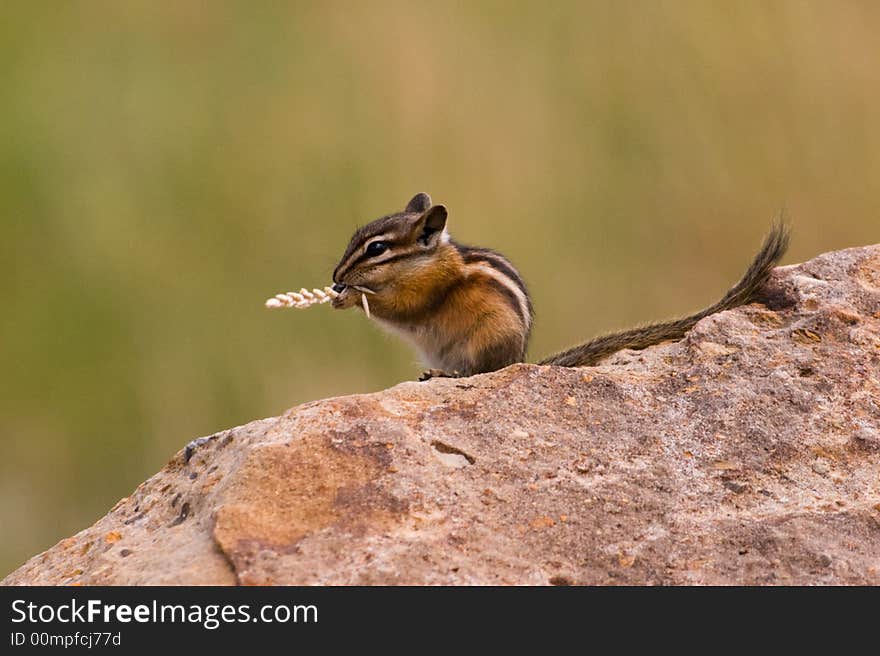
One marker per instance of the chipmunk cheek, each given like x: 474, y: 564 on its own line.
x: 343, y: 302
x: 345, y: 298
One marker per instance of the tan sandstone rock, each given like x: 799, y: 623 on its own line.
x: 747, y: 453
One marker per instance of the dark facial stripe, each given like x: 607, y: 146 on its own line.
x: 394, y: 258
x: 363, y: 257
x: 392, y: 224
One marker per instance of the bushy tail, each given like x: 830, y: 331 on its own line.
x: 745, y: 291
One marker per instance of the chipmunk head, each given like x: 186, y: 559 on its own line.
x: 389, y: 254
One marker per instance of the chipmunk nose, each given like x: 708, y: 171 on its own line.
x: 338, y: 287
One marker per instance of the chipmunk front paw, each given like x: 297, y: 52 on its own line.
x: 428, y: 374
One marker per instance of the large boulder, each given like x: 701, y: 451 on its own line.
x: 746, y: 453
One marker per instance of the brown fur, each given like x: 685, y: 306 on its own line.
x: 467, y: 309
x: 454, y: 316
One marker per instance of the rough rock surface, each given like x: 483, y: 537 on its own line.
x: 747, y: 453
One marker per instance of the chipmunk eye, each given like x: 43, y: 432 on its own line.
x: 377, y: 248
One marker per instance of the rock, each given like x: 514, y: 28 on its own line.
x: 821, y: 467
x: 747, y: 453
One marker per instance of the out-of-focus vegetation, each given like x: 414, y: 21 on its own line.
x: 164, y: 167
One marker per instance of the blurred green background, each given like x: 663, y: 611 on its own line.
x: 165, y: 167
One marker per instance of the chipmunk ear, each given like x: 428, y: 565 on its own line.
x: 419, y: 203
x: 430, y: 226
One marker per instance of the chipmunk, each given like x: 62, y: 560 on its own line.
x: 467, y: 309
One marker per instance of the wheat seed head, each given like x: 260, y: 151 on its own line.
x: 302, y: 299
x: 305, y: 298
